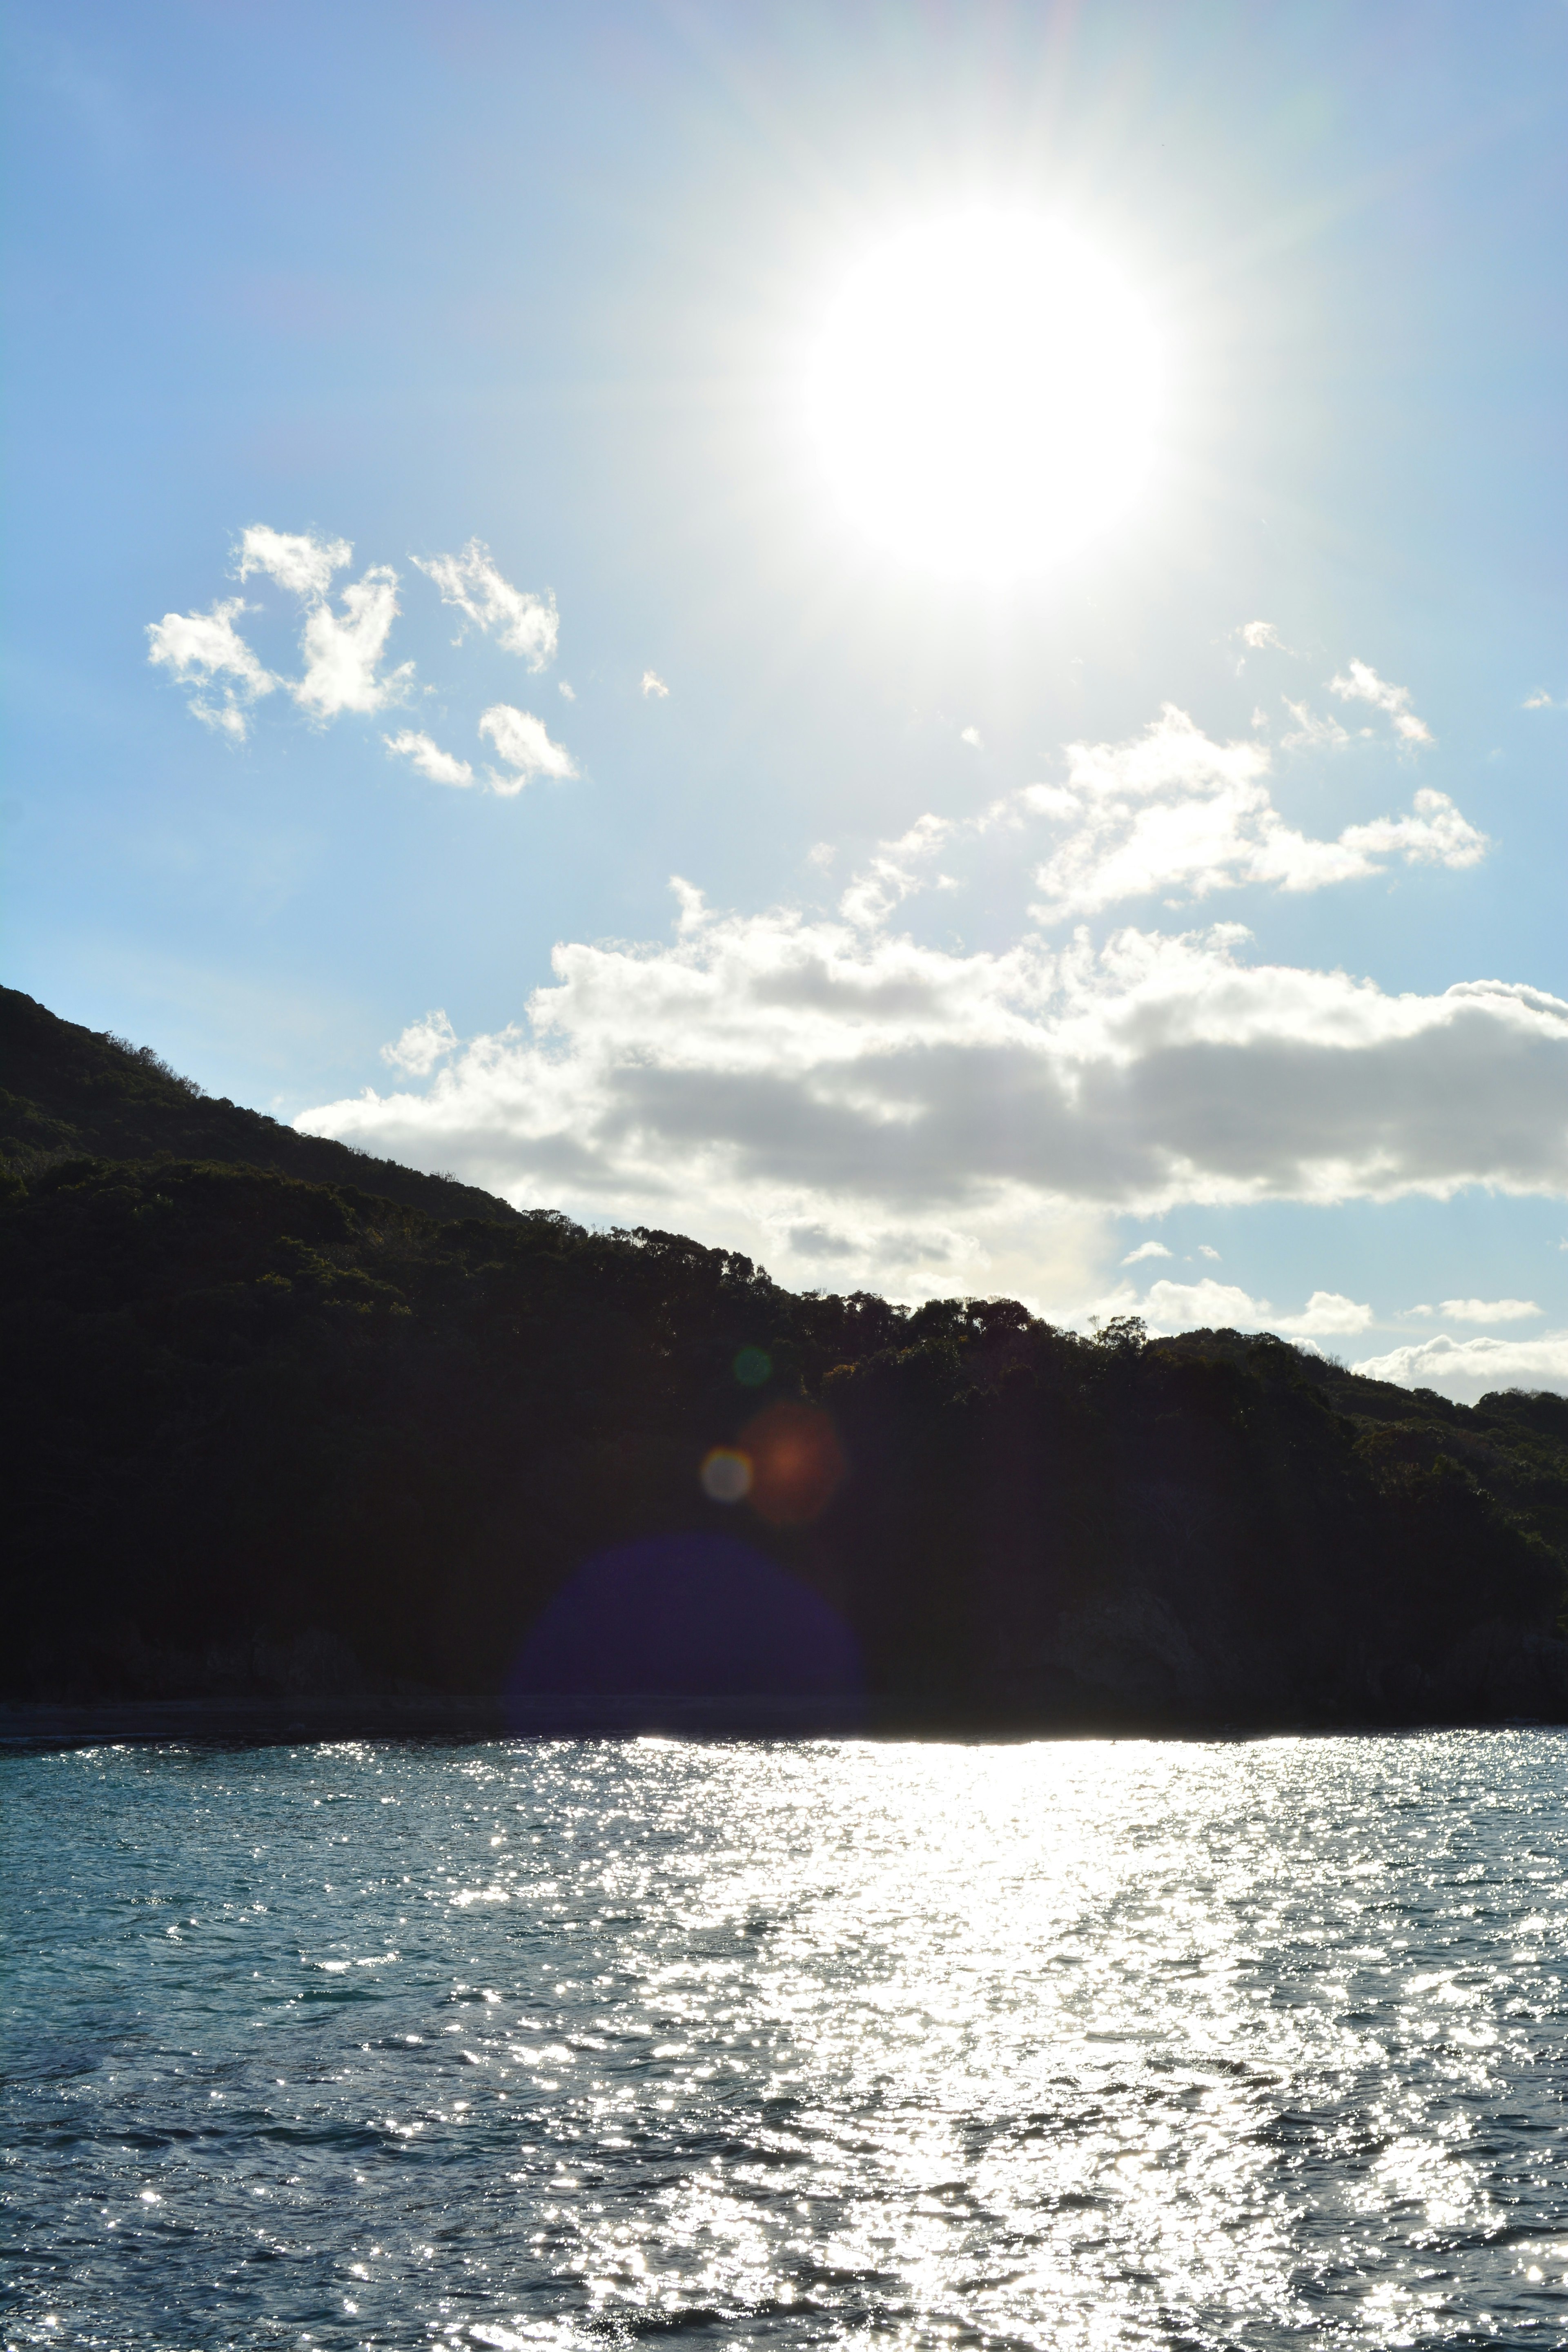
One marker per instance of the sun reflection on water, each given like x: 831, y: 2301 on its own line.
x: 1068, y: 2045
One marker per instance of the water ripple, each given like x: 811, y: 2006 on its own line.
x: 1077, y: 2045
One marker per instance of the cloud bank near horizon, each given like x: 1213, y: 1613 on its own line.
x: 858, y: 1107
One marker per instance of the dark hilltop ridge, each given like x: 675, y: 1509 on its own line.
x: 302, y: 1439
x: 68, y: 1093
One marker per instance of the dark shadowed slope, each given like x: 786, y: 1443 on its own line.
x: 67, y: 1092
x: 272, y: 1436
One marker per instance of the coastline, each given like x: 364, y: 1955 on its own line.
x: 481, y: 1721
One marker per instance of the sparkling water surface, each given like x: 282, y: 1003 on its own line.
x: 1076, y: 2043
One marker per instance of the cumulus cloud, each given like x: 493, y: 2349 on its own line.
x: 950, y: 1111
x: 422, y: 1044
x: 522, y: 740
x: 1144, y: 1250
x: 1205, y: 1251
x: 523, y: 622
x: 426, y: 755
x: 1541, y: 700
x: 1258, y: 634
x: 1172, y: 810
x: 1466, y: 1369
x: 204, y: 650
x: 1361, y: 683
x: 653, y: 684
x: 297, y: 560
x: 1209, y: 1304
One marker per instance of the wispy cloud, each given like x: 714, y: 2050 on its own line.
x: 1259, y: 635
x: 426, y: 755
x: 1361, y: 683
x: 523, y: 742
x: 892, y: 873
x: 1488, y: 1310
x: 206, y: 651
x: 520, y: 621
x: 972, y: 736
x: 343, y: 644
x: 653, y: 685
x: 1311, y: 733
x: 1541, y: 700
x: 1145, y: 1249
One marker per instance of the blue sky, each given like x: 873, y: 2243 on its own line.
x: 409, y: 277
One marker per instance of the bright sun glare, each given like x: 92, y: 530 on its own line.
x: 983, y: 395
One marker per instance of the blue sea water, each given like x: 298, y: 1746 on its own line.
x: 1079, y: 2043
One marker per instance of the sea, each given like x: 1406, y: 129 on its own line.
x: 1071, y: 2043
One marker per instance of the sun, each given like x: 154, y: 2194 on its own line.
x: 983, y: 395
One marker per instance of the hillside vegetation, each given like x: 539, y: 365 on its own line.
x: 274, y: 1434
x: 65, y: 1091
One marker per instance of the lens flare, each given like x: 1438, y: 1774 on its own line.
x: 726, y: 1475
x: 797, y: 1465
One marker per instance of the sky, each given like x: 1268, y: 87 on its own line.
x: 926, y: 641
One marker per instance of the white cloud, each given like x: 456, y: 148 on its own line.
x: 973, y: 735
x: 296, y: 560
x: 961, y: 1117
x: 1466, y: 1369
x: 1362, y: 684
x: 653, y: 684
x: 893, y: 873
x: 1144, y: 1250
x: 1311, y: 733
x: 1258, y: 634
x: 342, y: 651
x: 1172, y: 810
x: 1205, y: 1251
x: 1201, y: 1306
x: 522, y: 740
x: 520, y: 621
x: 422, y: 1044
x: 205, y: 650
x: 1222, y: 1305
x: 1488, y: 1310
x: 1326, y: 1314
x: 1541, y: 700
x: 569, y: 692
x: 441, y: 767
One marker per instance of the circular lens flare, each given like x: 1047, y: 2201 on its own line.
x: 726, y: 1475
x: 983, y: 395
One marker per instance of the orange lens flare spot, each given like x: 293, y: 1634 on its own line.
x: 726, y: 1475
x: 797, y: 1465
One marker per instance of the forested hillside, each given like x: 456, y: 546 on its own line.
x: 270, y: 1435
x: 66, y: 1090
